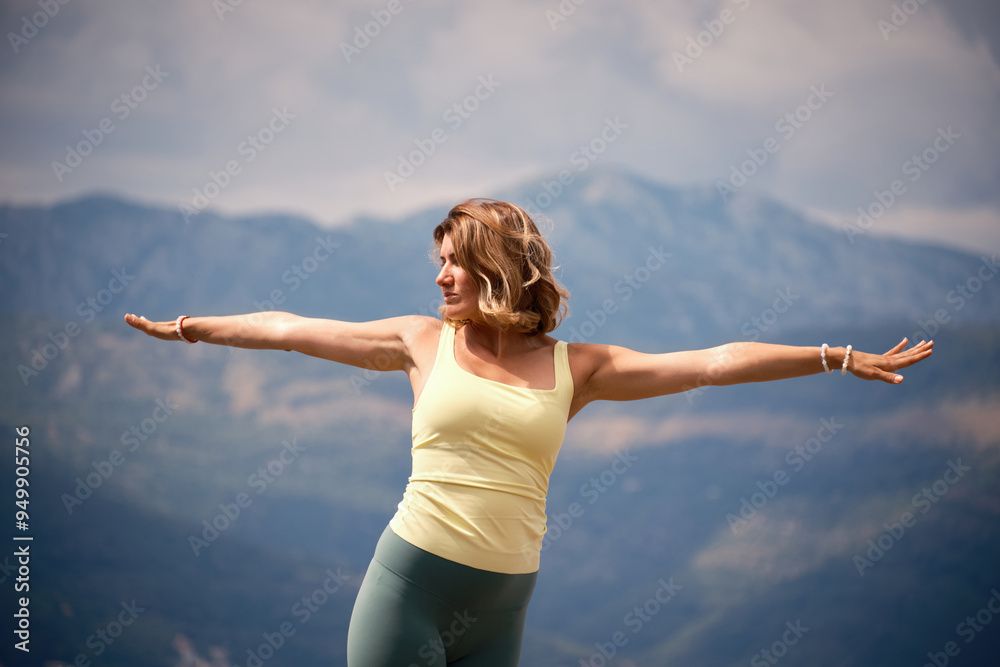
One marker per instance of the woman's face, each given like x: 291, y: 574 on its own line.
x: 452, y: 278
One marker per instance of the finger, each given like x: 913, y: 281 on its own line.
x: 914, y: 358
x: 919, y: 351
x: 910, y: 354
x: 898, y: 347
x: 891, y: 378
x: 138, y: 321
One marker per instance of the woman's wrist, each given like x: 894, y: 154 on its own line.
x: 179, y: 329
x: 835, y: 359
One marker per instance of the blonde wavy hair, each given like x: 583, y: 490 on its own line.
x: 500, y: 246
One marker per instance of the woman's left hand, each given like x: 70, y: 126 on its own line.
x: 882, y: 366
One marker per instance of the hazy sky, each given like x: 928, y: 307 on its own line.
x: 329, y: 109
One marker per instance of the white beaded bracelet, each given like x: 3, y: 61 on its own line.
x: 843, y: 369
x: 822, y: 356
x: 180, y: 332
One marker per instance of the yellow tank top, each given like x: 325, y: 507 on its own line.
x: 482, y: 452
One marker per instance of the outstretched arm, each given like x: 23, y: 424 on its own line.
x: 383, y: 344
x: 623, y: 374
x: 761, y: 362
x: 258, y: 331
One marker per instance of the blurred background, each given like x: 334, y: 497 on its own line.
x: 706, y: 172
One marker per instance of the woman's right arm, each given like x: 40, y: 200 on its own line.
x: 256, y: 331
x: 383, y: 344
x: 259, y: 331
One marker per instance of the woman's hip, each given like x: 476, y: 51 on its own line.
x: 455, y: 584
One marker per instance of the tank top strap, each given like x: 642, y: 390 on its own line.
x: 446, y: 349
x: 445, y: 340
x: 564, y: 376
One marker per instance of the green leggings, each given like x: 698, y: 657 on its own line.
x: 417, y: 609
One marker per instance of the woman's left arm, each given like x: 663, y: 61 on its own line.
x: 622, y: 374
x: 761, y: 362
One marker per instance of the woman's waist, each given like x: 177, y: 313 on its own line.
x: 492, y: 497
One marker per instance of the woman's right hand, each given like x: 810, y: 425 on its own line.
x: 161, y: 330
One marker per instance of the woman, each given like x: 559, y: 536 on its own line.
x: 454, y: 569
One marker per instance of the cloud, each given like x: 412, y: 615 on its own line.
x: 311, y: 404
x: 973, y: 229
x: 969, y: 421
x: 781, y: 545
x: 558, y: 81
x: 604, y: 434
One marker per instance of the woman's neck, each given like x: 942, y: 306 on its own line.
x: 497, y: 343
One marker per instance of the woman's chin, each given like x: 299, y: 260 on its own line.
x: 456, y: 313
